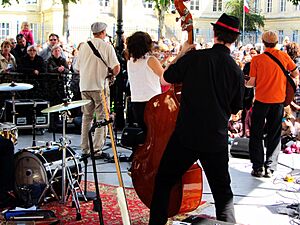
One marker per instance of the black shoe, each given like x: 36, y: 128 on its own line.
x: 268, y: 173
x: 84, y: 157
x: 258, y: 172
x: 102, y: 155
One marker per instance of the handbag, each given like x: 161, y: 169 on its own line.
x: 290, y: 84
x: 110, y: 76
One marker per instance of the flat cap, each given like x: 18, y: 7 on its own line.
x: 97, y: 27
x: 270, y: 37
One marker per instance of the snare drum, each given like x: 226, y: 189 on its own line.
x: 34, y: 166
x: 9, y: 131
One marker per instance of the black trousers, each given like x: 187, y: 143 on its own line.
x: 176, y: 160
x: 138, y: 109
x: 7, y: 173
x: 265, y: 118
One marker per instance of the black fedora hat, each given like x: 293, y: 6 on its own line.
x: 228, y: 23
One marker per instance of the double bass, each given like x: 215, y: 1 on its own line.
x: 160, y: 117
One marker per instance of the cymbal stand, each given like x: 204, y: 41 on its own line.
x: 66, y: 173
x: 13, y: 95
x: 33, y: 124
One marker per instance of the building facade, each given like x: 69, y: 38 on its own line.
x: 46, y: 16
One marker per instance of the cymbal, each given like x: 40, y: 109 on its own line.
x: 65, y: 106
x: 15, y: 86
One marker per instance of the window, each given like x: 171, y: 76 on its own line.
x: 4, y: 30
x: 194, y: 5
x: 269, y: 6
x: 217, y: 5
x: 295, y: 36
x: 147, y: 5
x: 282, y: 5
x: 104, y: 3
x: 280, y: 36
x: 31, y: 2
x: 34, y: 28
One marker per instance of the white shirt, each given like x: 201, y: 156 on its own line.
x: 92, y: 70
x: 144, y: 83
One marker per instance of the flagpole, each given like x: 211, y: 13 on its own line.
x: 243, y: 36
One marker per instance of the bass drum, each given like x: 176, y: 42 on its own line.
x: 34, y: 167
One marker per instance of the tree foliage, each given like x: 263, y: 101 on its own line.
x: 161, y: 6
x: 253, y: 20
x: 295, y: 2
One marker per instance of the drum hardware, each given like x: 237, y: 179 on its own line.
x: 63, y: 109
x: 33, y: 124
x: 39, y: 172
x: 88, y: 195
x: 13, y: 87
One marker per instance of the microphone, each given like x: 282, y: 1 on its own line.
x: 108, y: 36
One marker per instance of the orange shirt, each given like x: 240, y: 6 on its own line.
x: 270, y: 82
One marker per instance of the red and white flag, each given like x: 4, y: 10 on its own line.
x: 246, y: 6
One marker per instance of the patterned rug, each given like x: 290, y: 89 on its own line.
x: 138, y: 212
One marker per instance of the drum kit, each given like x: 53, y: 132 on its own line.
x: 52, y: 166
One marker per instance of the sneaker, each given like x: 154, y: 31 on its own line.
x: 257, y: 172
x: 268, y: 173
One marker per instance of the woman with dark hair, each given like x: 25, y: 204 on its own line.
x: 144, y: 72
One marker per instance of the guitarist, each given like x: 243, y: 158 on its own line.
x: 270, y: 86
x: 210, y: 78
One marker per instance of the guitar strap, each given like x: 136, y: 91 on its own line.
x: 97, y: 53
x: 285, y: 72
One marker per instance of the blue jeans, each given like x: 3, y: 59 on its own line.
x: 266, y: 118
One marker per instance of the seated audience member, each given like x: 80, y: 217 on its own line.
x: 288, y: 140
x: 21, y: 48
x: 56, y: 63
x: 235, y: 127
x: 7, y: 60
x: 287, y: 122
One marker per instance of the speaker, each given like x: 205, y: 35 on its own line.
x: 199, y: 220
x: 240, y: 148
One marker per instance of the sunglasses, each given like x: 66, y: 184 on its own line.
x: 32, y: 50
x: 53, y: 39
